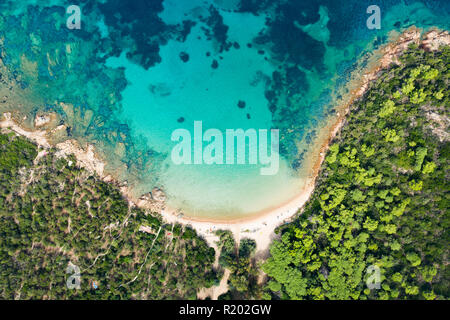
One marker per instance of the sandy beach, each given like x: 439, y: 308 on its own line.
x: 259, y: 227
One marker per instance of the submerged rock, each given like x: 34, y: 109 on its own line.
x: 158, y: 195
x: 184, y: 56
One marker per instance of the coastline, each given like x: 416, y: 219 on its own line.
x: 260, y: 226
x: 87, y: 159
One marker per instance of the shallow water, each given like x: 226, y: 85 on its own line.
x: 130, y: 79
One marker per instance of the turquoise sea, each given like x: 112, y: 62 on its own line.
x: 136, y: 71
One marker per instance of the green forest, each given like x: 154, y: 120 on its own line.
x: 53, y: 213
x: 240, y: 260
x: 377, y: 224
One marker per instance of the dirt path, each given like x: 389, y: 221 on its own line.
x: 215, y: 291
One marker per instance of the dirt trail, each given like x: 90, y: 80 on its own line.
x: 214, y: 292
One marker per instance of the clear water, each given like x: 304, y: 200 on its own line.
x: 128, y: 88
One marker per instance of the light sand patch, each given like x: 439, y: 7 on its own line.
x: 214, y: 292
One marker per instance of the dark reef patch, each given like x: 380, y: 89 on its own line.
x: 140, y: 21
x: 254, y: 6
x: 184, y: 56
x: 286, y: 40
x: 301, y: 12
x: 218, y: 30
x: 186, y: 29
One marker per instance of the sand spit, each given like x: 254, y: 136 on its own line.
x: 259, y: 227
